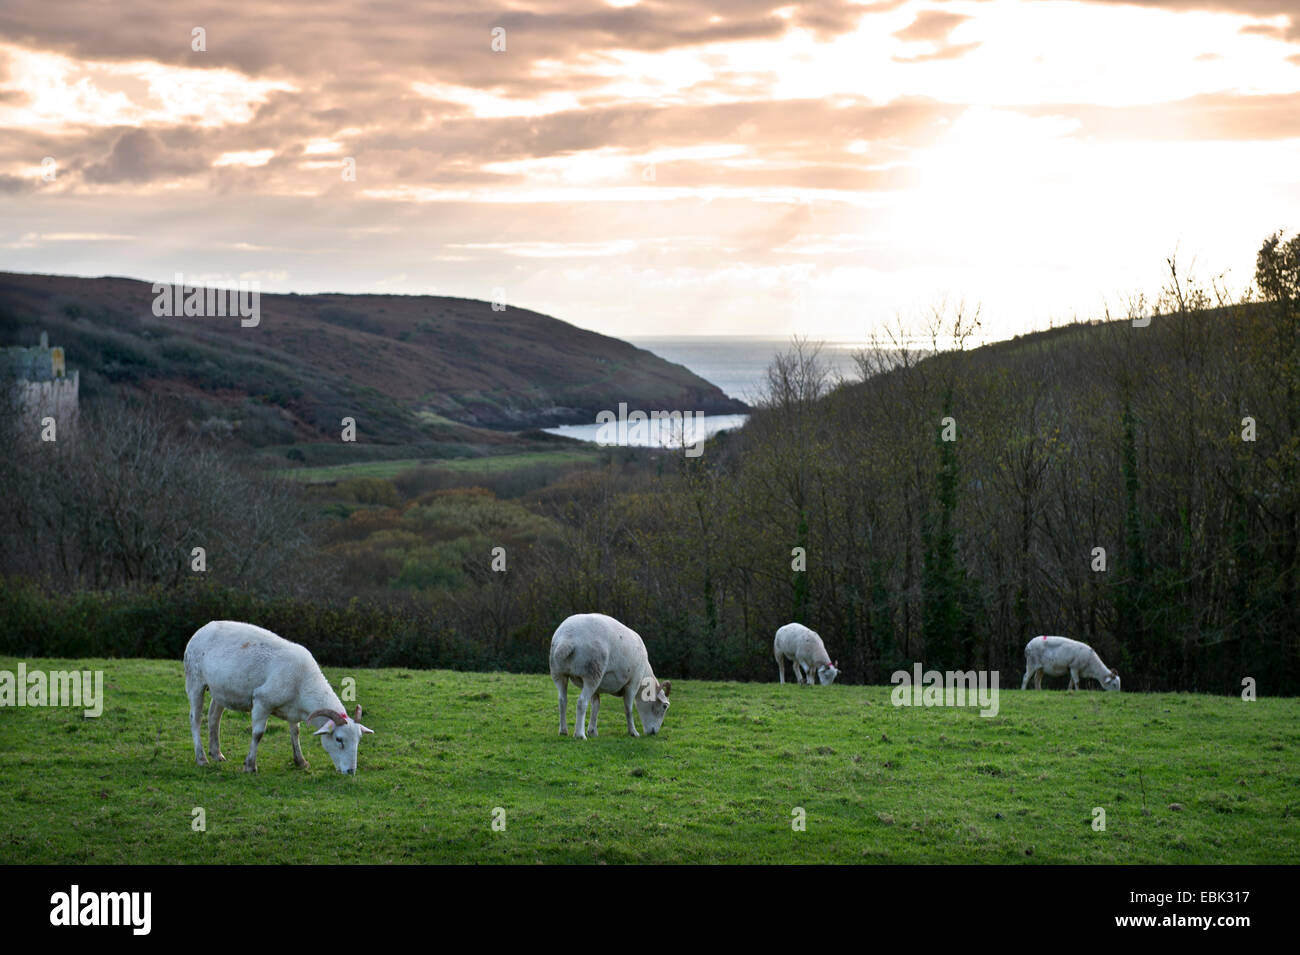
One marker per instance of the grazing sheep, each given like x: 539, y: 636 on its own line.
x: 1058, y: 655
x: 601, y: 655
x: 248, y: 669
x: 796, y: 642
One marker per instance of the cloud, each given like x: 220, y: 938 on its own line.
x: 1254, y: 8
x: 949, y: 51
x: 444, y: 36
x: 139, y: 155
x: 935, y: 27
x: 1288, y: 34
x: 798, y: 143
x: 787, y: 138
x: 1259, y: 8
x: 1212, y: 116
x: 932, y: 25
x: 15, y: 185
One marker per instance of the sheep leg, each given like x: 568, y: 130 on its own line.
x: 595, y: 711
x: 562, y: 686
x: 261, y: 713
x: 780, y: 666
x: 1025, y: 682
x: 215, y: 710
x: 584, y: 700
x: 629, y: 696
x: 1074, y: 679
x: 298, y: 759
x: 1038, y: 679
x: 195, y: 688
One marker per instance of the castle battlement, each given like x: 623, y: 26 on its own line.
x: 42, y: 386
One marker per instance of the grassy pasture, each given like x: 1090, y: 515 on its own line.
x: 488, y: 464
x: 1182, y: 778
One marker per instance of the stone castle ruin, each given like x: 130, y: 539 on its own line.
x: 42, y: 387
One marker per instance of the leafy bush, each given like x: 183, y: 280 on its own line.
x: 369, y: 490
x: 158, y: 622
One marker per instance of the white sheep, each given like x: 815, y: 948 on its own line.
x: 601, y: 655
x: 1059, y: 655
x: 247, y: 668
x: 796, y: 642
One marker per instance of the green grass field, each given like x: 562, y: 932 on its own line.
x: 1182, y: 778
x: 488, y: 464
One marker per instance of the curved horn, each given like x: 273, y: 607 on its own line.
x: 356, y: 714
x: 331, y: 715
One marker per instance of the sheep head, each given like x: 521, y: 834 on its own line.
x: 340, y: 737
x: 652, y: 703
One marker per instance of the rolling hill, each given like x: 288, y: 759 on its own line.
x: 408, y: 368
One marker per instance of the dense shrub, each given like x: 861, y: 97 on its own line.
x: 158, y: 622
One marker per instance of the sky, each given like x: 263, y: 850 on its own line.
x: 663, y: 167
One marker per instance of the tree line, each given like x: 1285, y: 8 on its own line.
x: 1132, y: 482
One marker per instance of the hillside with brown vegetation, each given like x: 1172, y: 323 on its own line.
x: 407, y: 367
